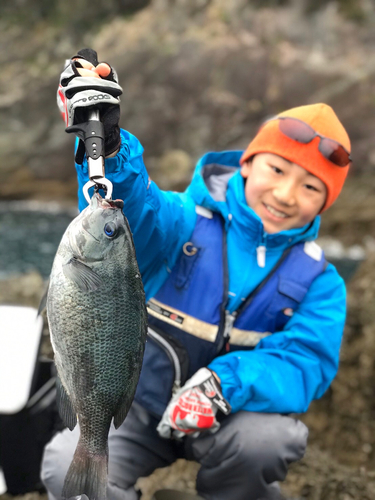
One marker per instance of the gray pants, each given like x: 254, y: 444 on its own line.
x: 241, y: 461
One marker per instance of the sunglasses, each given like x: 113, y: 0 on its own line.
x: 299, y: 131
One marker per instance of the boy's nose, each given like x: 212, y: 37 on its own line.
x: 285, y: 193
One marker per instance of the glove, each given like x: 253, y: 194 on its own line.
x: 193, y: 408
x: 76, y: 94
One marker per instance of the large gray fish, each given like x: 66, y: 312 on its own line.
x: 98, y: 323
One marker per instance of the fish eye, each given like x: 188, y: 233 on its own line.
x: 110, y: 229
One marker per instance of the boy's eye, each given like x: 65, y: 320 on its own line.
x: 312, y: 188
x: 277, y: 170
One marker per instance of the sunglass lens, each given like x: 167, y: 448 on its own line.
x: 334, y: 152
x: 296, y: 130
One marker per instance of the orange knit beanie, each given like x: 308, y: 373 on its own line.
x: 323, y: 120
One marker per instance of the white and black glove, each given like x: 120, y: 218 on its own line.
x: 77, y: 94
x: 193, y: 408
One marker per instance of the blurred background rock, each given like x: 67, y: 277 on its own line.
x: 201, y: 75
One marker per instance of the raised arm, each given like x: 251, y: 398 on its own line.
x: 161, y: 221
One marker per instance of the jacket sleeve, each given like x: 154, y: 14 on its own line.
x: 161, y: 221
x: 290, y: 368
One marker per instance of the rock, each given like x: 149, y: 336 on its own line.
x: 173, y: 170
x: 25, y: 290
x: 22, y: 183
x: 319, y: 477
x: 197, y: 76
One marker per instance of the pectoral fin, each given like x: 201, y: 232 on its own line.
x: 83, y: 276
x: 65, y: 406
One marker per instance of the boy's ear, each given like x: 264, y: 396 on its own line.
x: 245, y: 168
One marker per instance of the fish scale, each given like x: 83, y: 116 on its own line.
x: 98, y: 323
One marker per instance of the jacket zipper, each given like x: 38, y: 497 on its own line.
x: 261, y: 252
x: 228, y: 318
x: 171, y: 353
x: 224, y: 324
x: 250, y: 297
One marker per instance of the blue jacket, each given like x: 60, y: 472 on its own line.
x: 285, y: 371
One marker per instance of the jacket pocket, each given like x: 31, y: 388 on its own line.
x: 288, y: 297
x: 291, y: 289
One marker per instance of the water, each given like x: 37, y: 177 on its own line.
x: 30, y: 233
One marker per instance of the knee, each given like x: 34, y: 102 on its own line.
x: 267, y: 441
x: 272, y: 442
x: 294, y: 439
x: 258, y: 447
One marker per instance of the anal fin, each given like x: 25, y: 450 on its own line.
x: 121, y: 413
x: 65, y: 406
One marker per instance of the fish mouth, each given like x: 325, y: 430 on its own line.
x: 103, y: 203
x: 112, y: 204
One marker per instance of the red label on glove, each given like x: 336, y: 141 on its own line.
x: 192, y: 412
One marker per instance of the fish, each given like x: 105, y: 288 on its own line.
x: 97, y: 317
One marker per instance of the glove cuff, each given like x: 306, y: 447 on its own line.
x: 89, y: 54
x: 212, y: 390
x: 112, y: 141
x: 110, y: 119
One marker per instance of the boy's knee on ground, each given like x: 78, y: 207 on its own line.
x: 265, y: 439
x: 254, y: 441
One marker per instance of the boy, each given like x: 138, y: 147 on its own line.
x: 245, y: 315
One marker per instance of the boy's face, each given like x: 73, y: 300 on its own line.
x: 283, y: 194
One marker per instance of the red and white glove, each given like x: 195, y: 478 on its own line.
x: 193, y: 408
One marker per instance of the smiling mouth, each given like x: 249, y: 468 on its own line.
x: 275, y: 212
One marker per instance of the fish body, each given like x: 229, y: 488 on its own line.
x: 98, y: 324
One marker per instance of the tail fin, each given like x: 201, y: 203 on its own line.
x: 87, y: 474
